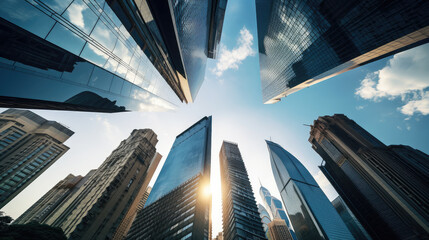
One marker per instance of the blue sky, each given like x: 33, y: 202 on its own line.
x: 373, y: 95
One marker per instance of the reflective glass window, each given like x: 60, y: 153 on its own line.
x: 122, y: 52
x: 121, y: 70
x: 111, y: 65
x: 94, y: 55
x: 66, y: 39
x: 81, y: 16
x: 100, y: 79
x: 126, y: 88
x: 26, y: 16
x: 117, y: 83
x: 104, y: 35
x: 80, y: 73
x: 50, y: 72
x: 58, y: 5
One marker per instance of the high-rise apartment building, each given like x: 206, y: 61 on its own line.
x: 53, y: 199
x: 278, y: 230
x: 100, y: 205
x: 106, y: 56
x: 386, y: 187
x: 240, y: 214
x: 350, y: 220
x: 305, y: 42
x: 310, y: 212
x: 138, y: 202
x: 275, y: 209
x: 29, y: 144
x: 179, y: 205
x: 265, y: 219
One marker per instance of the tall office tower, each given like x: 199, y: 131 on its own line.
x: 179, y: 205
x: 265, y: 219
x: 100, y: 205
x: 240, y: 216
x: 29, y: 144
x: 102, y: 56
x: 275, y: 208
x: 305, y: 42
x: 386, y: 187
x: 219, y: 236
x: 278, y: 230
x: 53, y: 199
x: 310, y: 212
x: 350, y: 220
x: 180, y: 34
x: 138, y: 202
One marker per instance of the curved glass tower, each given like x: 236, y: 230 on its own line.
x: 310, y: 212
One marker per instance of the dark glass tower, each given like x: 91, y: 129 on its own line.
x: 29, y: 144
x: 105, y: 56
x: 350, y: 220
x: 310, y: 212
x: 303, y: 42
x: 185, y: 33
x: 179, y: 205
x: 386, y: 187
x: 99, y: 206
x: 240, y: 214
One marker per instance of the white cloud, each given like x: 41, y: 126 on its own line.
x: 111, y: 131
x: 75, y: 14
x: 360, y: 107
x: 231, y: 59
x: 406, y: 75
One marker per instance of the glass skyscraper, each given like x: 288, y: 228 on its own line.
x: 179, y: 205
x: 93, y: 55
x: 275, y: 208
x: 265, y: 218
x: 386, y: 187
x: 29, y: 144
x: 310, y: 212
x: 303, y: 42
x: 240, y: 216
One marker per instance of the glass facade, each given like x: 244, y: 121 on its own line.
x: 76, y: 55
x: 275, y: 208
x: 305, y: 42
x: 178, y: 206
x: 310, y: 212
x: 240, y: 214
x: 188, y: 157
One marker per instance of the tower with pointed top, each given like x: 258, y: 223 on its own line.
x: 310, y: 212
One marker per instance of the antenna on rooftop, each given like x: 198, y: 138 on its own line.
x: 306, y: 125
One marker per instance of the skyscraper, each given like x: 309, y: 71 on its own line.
x: 138, y: 202
x: 240, y: 214
x: 179, y: 205
x: 302, y: 43
x: 29, y: 144
x: 100, y: 205
x: 53, y: 199
x: 350, y: 220
x: 310, y: 212
x: 275, y: 208
x: 265, y: 219
x: 105, y: 56
x: 386, y: 187
x: 278, y: 230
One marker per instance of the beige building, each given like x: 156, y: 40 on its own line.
x: 278, y: 230
x: 100, y: 205
x: 29, y: 144
x: 53, y: 199
x: 219, y: 236
x: 139, y: 201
